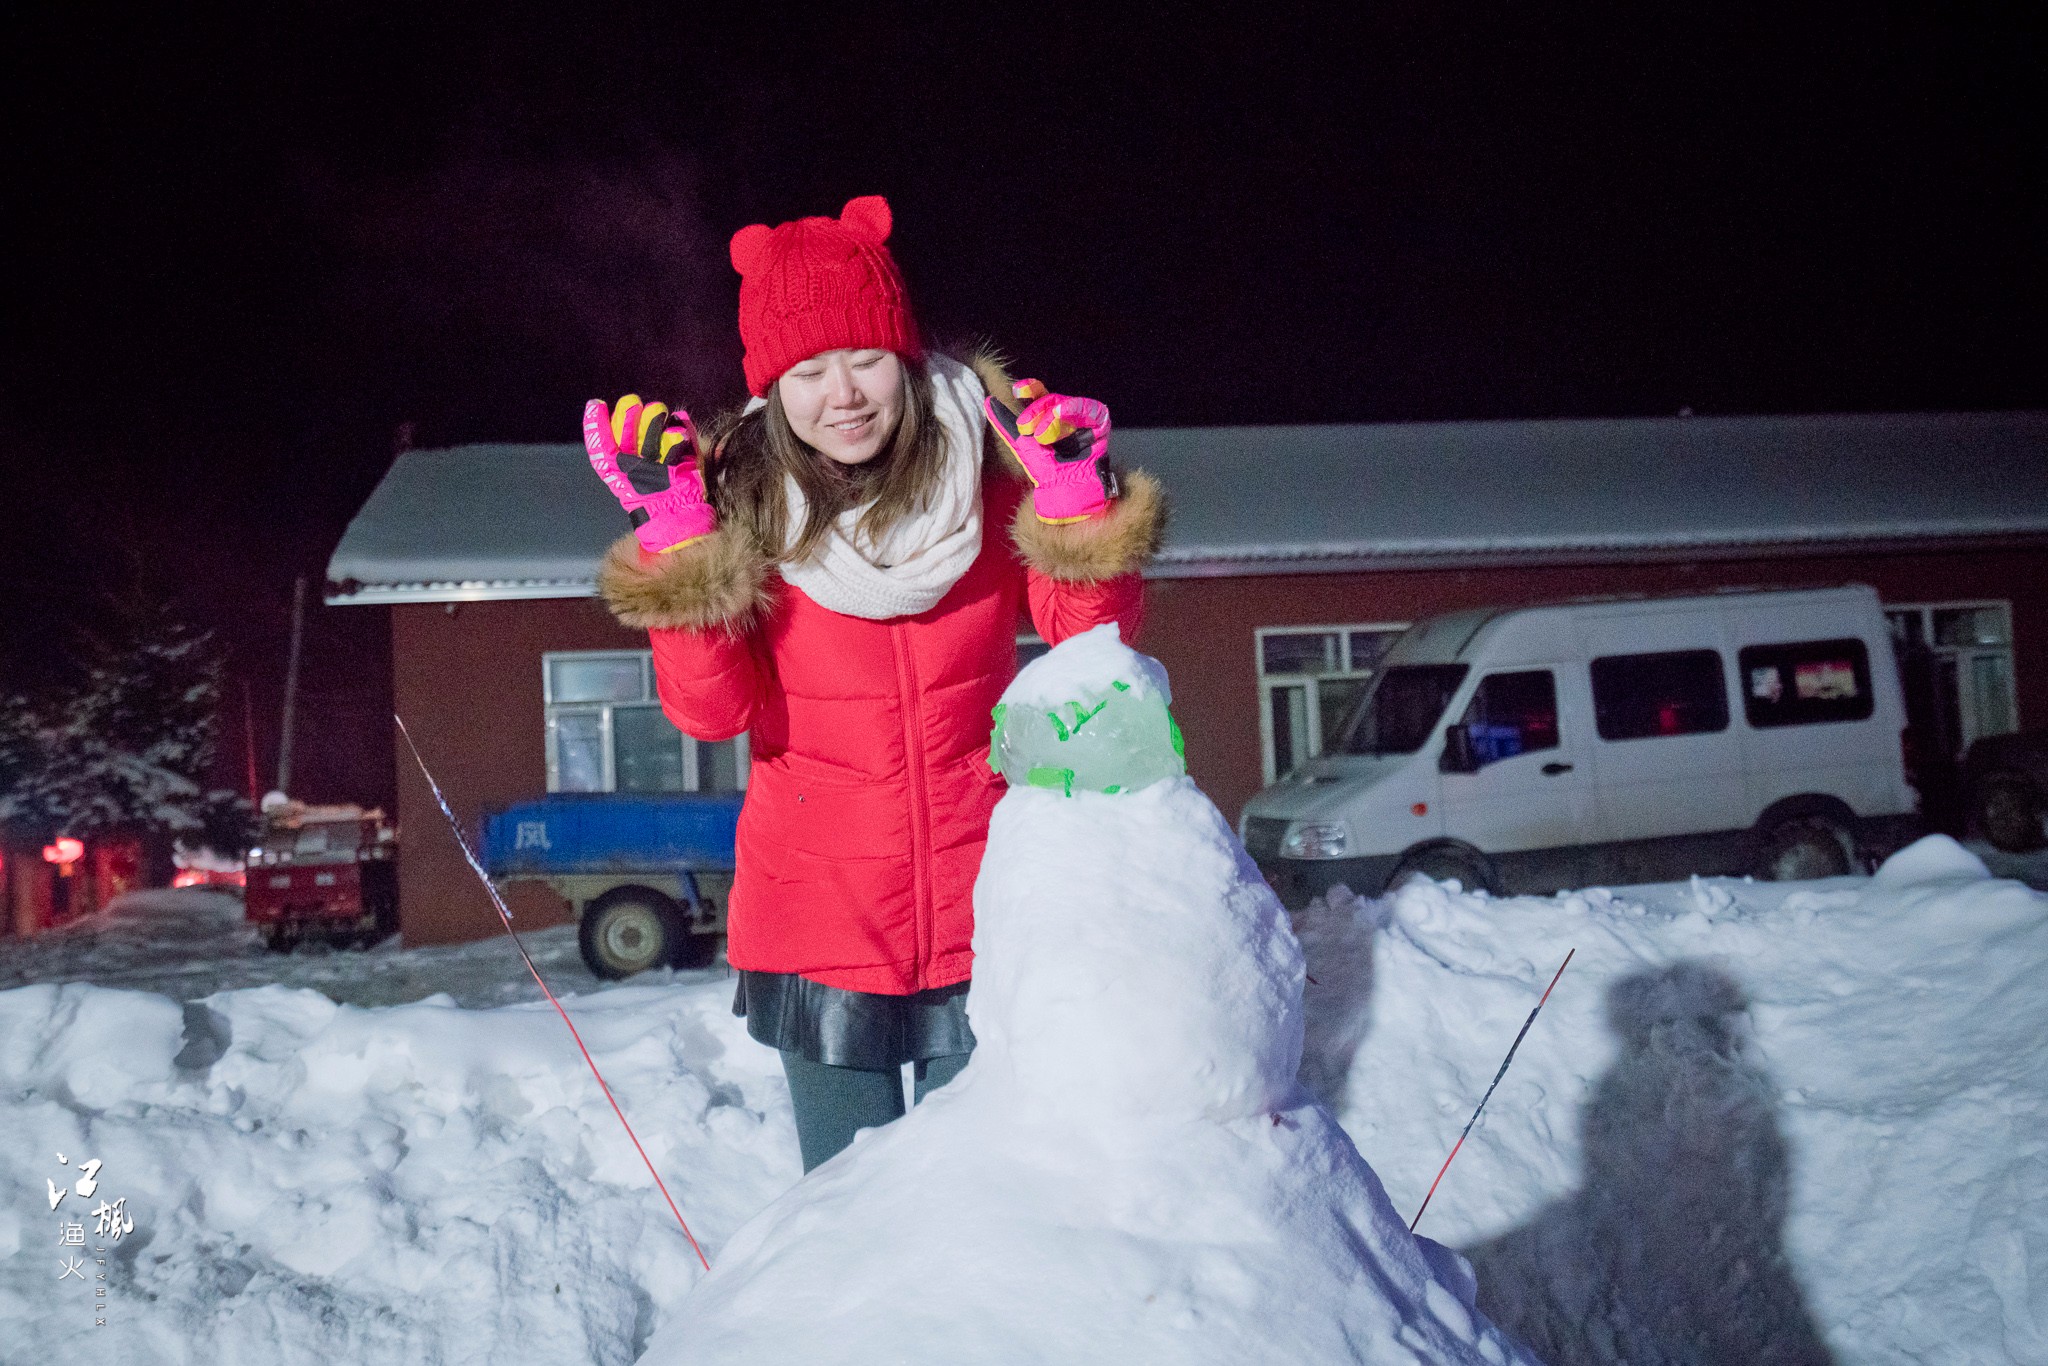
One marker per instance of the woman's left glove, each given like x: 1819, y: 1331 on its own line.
x: 1063, y: 444
x: 647, y: 457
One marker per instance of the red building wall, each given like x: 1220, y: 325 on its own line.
x: 468, y: 682
x: 467, y: 679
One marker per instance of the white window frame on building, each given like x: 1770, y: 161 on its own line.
x: 698, y: 759
x: 1350, y: 656
x: 1974, y: 678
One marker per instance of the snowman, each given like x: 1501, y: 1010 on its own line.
x: 1128, y: 1170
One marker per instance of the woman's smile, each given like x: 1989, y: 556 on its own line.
x: 844, y: 404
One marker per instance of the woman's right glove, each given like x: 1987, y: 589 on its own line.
x: 647, y: 457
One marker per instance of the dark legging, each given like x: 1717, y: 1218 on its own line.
x: 834, y: 1103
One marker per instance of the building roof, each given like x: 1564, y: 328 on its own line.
x: 529, y: 521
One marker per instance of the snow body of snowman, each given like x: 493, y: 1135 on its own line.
x: 1128, y: 1170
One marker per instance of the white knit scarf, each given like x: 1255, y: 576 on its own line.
x: 924, y: 554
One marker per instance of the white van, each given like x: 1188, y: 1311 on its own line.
x: 1607, y: 742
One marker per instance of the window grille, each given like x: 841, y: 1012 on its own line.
x: 606, y: 731
x: 1310, y: 678
x: 1956, y: 661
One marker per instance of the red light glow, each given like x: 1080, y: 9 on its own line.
x: 65, y: 850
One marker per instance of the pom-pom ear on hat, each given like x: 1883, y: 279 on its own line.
x: 748, y: 244
x: 817, y: 285
x: 868, y: 218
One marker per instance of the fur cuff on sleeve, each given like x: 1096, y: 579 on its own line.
x: 1118, y: 542
x: 720, y: 581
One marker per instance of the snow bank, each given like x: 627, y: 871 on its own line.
x: 1754, y: 1118
x: 1855, y: 1153
x: 314, y: 1183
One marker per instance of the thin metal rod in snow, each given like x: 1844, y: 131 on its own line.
x: 1489, y: 1090
x: 462, y: 842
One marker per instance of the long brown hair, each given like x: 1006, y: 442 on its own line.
x: 753, y: 452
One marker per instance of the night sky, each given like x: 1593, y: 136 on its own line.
x: 246, y: 248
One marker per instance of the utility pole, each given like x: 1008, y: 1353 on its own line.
x: 249, y: 740
x: 291, y: 686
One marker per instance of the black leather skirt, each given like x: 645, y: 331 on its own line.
x: 842, y: 1028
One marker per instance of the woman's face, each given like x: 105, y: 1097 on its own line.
x: 844, y: 404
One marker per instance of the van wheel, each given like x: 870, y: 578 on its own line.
x: 629, y: 930
x: 1471, y: 869
x: 1803, y: 849
x: 2009, y: 811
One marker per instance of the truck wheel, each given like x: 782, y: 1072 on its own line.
x: 629, y: 930
x: 1802, y: 849
x: 278, y: 939
x: 2009, y: 811
x: 1472, y: 870
x: 385, y: 909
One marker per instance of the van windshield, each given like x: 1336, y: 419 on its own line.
x: 1401, y: 710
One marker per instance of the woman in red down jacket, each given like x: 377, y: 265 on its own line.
x: 844, y: 581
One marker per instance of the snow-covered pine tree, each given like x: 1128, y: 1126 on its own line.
x: 22, y: 765
x: 129, y: 747
x: 148, y: 707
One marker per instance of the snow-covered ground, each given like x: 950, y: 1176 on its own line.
x: 191, y: 943
x: 1755, y: 1122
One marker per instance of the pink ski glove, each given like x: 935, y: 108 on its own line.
x: 647, y: 457
x: 1063, y: 444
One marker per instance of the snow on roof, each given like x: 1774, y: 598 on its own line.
x: 529, y: 521
x: 473, y: 522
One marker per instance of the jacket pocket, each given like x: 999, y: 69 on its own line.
x: 813, y: 810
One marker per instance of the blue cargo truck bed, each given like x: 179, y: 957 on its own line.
x: 612, y: 832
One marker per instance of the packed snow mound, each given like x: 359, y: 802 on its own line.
x: 1936, y: 858
x: 1128, y: 1169
x: 1130, y: 962
x: 972, y: 1230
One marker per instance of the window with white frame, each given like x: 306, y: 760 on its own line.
x: 1309, y: 679
x: 1960, y: 653
x: 606, y: 731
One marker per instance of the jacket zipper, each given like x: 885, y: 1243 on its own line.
x: 920, y: 839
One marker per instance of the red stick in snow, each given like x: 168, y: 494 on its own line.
x: 1489, y: 1090
x: 506, y: 915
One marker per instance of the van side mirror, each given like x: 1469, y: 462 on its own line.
x: 1458, y: 755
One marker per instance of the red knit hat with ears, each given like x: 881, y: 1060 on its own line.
x: 820, y: 284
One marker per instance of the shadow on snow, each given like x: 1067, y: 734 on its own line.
x: 1672, y: 1250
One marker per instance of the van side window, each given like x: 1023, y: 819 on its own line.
x: 1806, y: 682
x: 1512, y: 714
x: 1675, y: 692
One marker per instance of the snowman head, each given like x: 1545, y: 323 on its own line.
x: 1090, y: 715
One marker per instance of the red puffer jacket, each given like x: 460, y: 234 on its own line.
x: 869, y: 798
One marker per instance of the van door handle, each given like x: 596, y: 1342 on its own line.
x: 1551, y: 770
